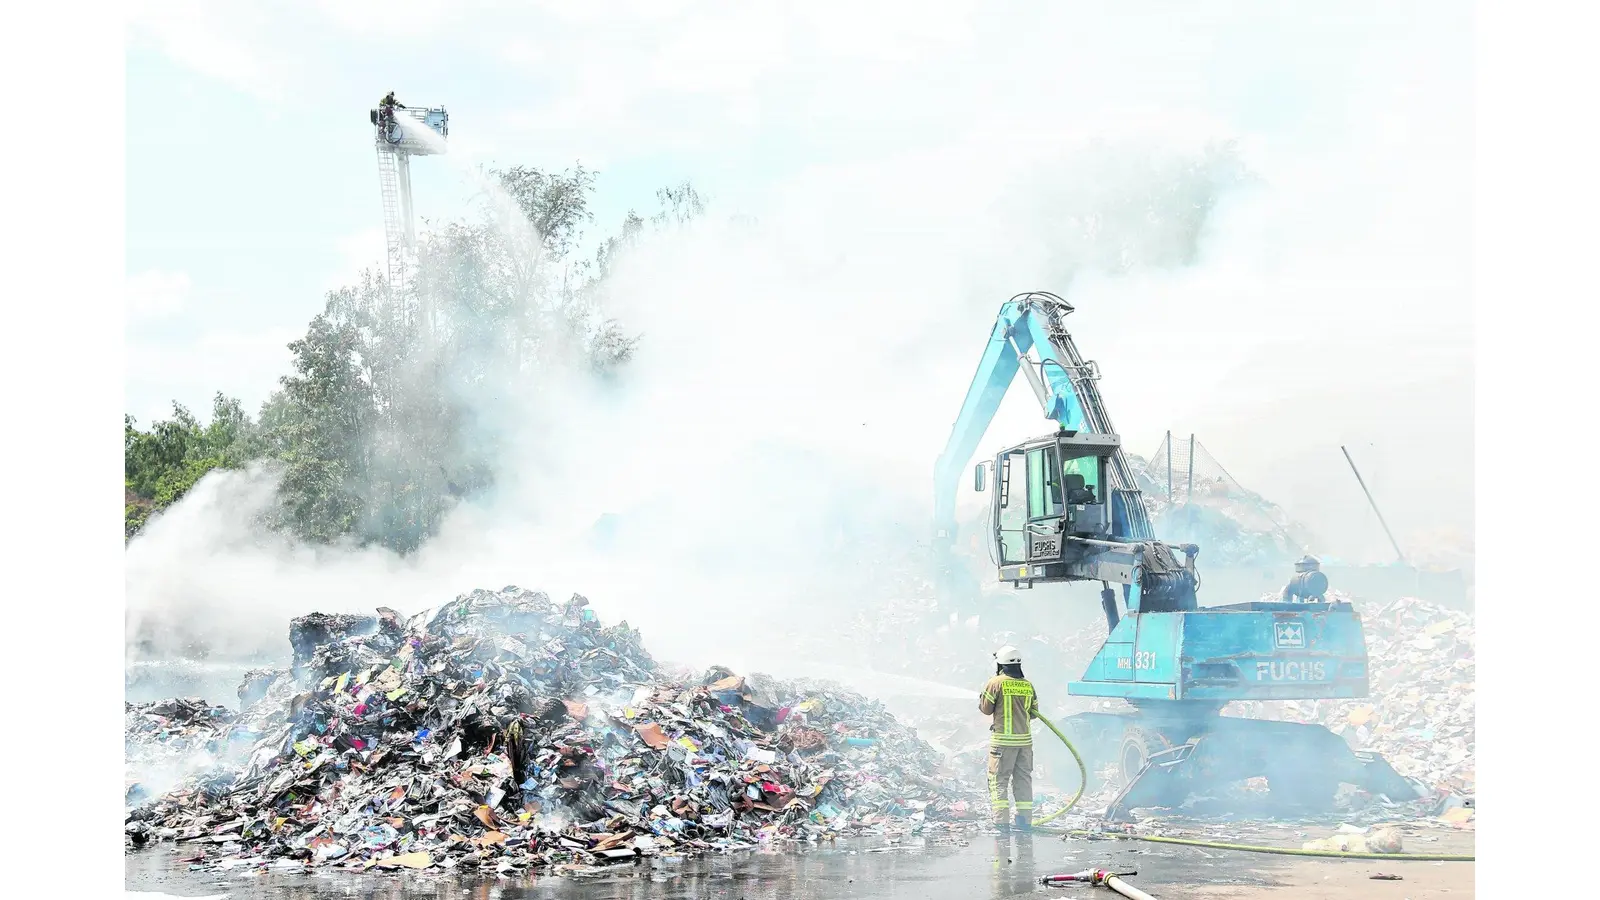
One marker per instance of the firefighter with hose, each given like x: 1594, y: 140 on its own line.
x: 385, y: 112
x: 1009, y: 699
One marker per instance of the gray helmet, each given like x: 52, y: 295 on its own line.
x: 1308, y: 563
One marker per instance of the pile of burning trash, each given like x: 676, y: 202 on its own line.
x: 506, y: 732
x: 163, y: 740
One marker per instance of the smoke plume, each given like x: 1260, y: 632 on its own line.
x: 763, y: 464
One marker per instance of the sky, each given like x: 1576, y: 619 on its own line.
x: 1331, y: 304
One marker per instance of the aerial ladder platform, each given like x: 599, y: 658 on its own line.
x: 399, y: 133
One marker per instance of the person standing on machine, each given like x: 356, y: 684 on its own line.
x: 1009, y: 699
x: 1309, y: 584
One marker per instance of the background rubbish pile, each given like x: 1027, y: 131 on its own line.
x: 1204, y: 504
x: 506, y: 732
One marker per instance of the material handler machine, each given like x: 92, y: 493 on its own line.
x: 1065, y: 507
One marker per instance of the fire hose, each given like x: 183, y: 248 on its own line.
x: 1100, y: 878
x: 1284, y: 851
x: 1083, y: 782
x: 1083, y: 775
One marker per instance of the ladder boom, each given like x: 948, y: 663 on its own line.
x: 401, y: 133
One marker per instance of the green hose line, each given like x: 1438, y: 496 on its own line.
x: 1252, y: 848
x: 1291, y: 851
x: 1083, y: 776
x: 1083, y: 783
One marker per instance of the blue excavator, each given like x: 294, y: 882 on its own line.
x: 1065, y: 507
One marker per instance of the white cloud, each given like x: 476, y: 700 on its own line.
x: 156, y: 293
x: 358, y: 252
x: 396, y: 19
x: 222, y: 41
x: 240, y: 363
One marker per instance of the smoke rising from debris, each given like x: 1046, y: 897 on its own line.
x: 764, y: 461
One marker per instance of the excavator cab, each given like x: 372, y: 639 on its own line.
x: 1047, y: 491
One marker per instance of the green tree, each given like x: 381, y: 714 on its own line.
x: 318, y: 429
x: 380, y: 430
x: 162, y: 464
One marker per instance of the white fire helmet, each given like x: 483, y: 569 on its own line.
x: 1008, y: 656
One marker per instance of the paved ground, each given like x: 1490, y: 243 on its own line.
x: 984, y: 867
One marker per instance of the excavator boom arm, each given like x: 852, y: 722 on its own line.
x: 1065, y: 386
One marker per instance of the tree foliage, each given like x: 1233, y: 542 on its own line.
x: 162, y: 464
x: 379, y: 430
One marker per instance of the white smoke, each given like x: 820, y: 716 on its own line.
x: 794, y: 382
x: 770, y: 449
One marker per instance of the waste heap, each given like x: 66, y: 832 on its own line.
x: 507, y: 732
x: 178, y: 721
x: 163, y: 739
x: 1205, y: 505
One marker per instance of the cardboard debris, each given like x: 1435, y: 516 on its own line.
x: 1384, y: 840
x: 1458, y: 816
x: 653, y: 736
x: 406, y: 860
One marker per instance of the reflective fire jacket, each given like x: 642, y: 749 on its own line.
x: 1012, y: 703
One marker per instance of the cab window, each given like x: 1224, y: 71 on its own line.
x: 1044, y: 484
x: 1081, y: 479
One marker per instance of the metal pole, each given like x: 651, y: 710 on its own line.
x: 1190, y: 495
x: 1169, y: 468
x: 1392, y: 542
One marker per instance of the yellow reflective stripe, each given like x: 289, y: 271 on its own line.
x: 997, y: 739
x: 1011, y: 688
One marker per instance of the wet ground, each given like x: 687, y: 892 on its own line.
x: 983, y: 867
